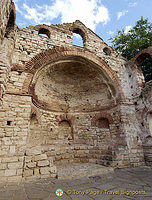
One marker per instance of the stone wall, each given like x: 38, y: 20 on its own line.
x: 144, y: 115
x: 61, y: 103
x: 142, y: 99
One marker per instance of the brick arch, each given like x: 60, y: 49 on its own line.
x: 46, y: 27
x: 81, y: 31
x: 76, y: 26
x: 55, y: 53
x: 65, y: 117
x: 140, y: 56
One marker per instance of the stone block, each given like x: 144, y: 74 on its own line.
x: 14, y: 178
x: 2, y: 173
x: 9, y: 159
x: 21, y: 159
x: 19, y: 171
x: 31, y: 164
x: 10, y: 172
x: 7, y: 141
x: 36, y: 171
x: 35, y: 151
x: 28, y: 159
x: 51, y: 161
x: 8, y: 133
x: 16, y: 165
x: 53, y: 169
x: 3, y: 166
x: 27, y: 173
x: 3, y: 179
x: 45, y: 170
x: 43, y: 163
x: 53, y: 175
x: 46, y: 176
x: 12, y: 149
x: 40, y: 157
x: 2, y: 114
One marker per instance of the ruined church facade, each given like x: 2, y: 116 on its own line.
x: 62, y: 104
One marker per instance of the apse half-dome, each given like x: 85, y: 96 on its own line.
x: 73, y: 84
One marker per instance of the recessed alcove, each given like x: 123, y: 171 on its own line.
x: 102, y: 123
x: 65, y: 130
x: 73, y: 84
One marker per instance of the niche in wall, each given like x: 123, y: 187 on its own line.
x: 65, y: 130
x: 102, y: 123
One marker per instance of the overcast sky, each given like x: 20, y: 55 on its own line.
x: 104, y: 17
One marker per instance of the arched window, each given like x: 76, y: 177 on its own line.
x: 79, y: 37
x: 10, y: 24
x: 144, y: 61
x: 107, y: 51
x: 102, y: 123
x: 44, y: 32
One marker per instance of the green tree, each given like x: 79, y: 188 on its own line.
x: 137, y: 38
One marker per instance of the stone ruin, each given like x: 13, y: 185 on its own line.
x: 62, y: 104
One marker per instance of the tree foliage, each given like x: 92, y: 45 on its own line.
x: 137, y: 38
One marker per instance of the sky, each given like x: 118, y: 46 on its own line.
x: 104, y: 17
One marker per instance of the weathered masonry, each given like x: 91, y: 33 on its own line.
x: 61, y: 103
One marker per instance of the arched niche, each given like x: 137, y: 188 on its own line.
x: 144, y: 61
x: 102, y: 123
x: 65, y: 130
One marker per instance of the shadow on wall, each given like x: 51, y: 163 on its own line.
x: 10, y: 24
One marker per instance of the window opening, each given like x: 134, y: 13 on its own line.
x: 107, y: 51
x: 79, y: 38
x: 144, y: 61
x: 44, y: 32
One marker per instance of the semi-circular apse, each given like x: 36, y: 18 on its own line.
x: 73, y: 85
